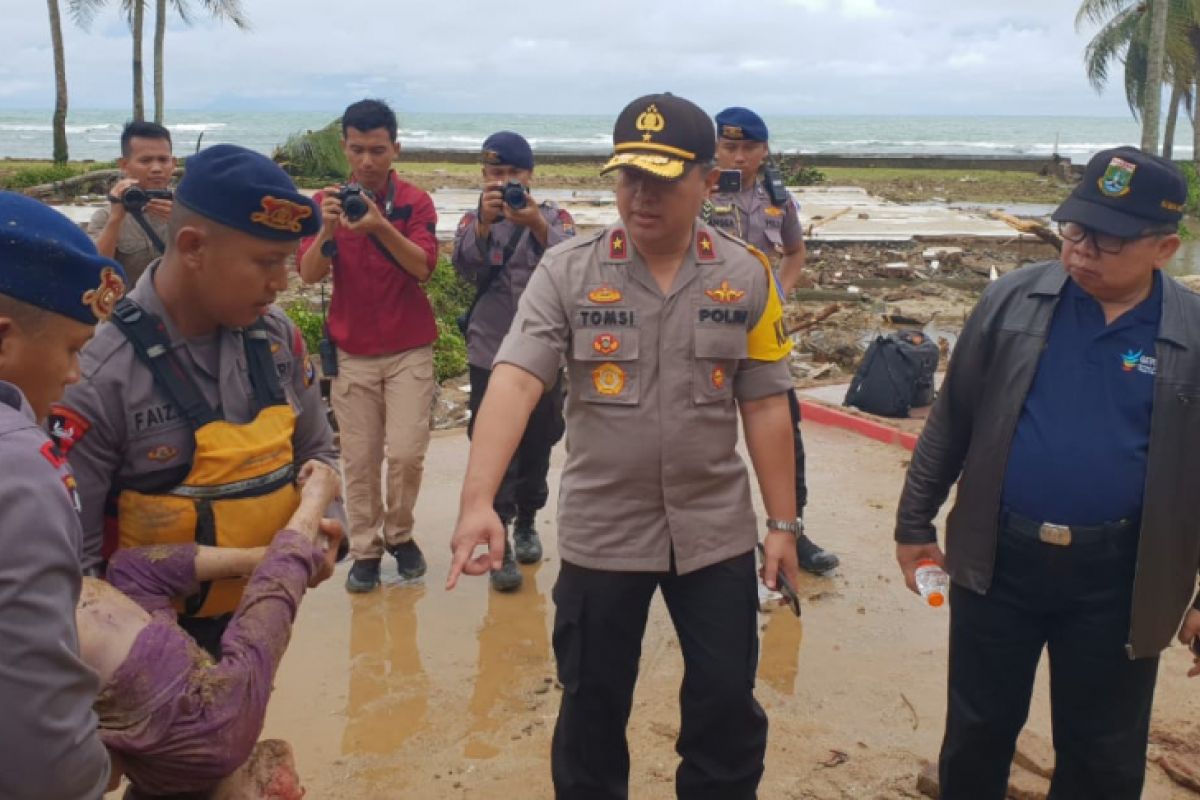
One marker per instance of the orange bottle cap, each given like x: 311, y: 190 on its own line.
x: 935, y: 599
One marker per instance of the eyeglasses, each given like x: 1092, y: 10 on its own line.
x: 1105, y: 242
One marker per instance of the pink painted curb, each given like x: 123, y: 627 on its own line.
x: 816, y: 411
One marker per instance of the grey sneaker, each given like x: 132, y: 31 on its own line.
x: 527, y: 545
x: 812, y: 558
x: 410, y: 561
x: 364, y: 576
x: 508, y: 578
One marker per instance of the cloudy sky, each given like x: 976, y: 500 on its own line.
x: 780, y: 56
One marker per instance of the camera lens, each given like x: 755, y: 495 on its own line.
x: 134, y: 198
x: 354, y: 207
x: 514, y: 194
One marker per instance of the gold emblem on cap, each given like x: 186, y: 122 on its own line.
x: 731, y: 131
x: 103, y: 299
x: 650, y: 122
x: 491, y: 157
x: 282, y: 215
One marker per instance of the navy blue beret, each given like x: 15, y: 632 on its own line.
x: 46, y: 260
x: 741, y: 123
x: 246, y: 191
x: 506, y: 147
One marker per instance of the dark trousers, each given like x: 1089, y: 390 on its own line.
x: 798, y: 442
x: 598, y: 625
x: 1075, y: 601
x: 524, y: 490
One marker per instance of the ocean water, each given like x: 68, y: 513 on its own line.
x: 96, y: 134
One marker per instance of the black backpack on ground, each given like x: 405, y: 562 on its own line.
x: 895, y: 374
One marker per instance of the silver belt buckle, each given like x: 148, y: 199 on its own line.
x: 1059, y: 535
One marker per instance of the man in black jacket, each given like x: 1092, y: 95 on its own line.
x: 1068, y: 417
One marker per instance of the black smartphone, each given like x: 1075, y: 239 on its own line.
x: 784, y: 585
x: 730, y: 181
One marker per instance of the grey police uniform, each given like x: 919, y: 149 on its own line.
x: 121, y: 431
x: 750, y: 216
x: 653, y: 478
x: 473, y: 258
x: 46, y: 690
x: 135, y: 251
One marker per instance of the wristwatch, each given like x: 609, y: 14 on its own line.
x: 793, y: 526
x: 329, y: 248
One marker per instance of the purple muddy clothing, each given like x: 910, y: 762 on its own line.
x: 180, y: 721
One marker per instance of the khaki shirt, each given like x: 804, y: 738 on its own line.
x: 120, y: 430
x: 48, y: 728
x: 135, y: 251
x: 473, y: 258
x: 750, y: 216
x: 652, y: 422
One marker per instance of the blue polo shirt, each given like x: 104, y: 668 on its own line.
x: 1078, y: 456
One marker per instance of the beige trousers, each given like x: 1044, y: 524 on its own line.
x: 382, y: 400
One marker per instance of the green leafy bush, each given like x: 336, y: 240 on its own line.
x: 450, y: 297
x: 308, y: 321
x: 35, y: 176
x: 805, y: 176
x: 315, y: 157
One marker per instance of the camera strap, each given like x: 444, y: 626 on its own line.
x: 494, y: 272
x: 154, y: 240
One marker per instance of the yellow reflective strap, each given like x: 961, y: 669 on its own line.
x: 767, y: 340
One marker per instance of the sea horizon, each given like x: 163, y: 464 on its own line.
x: 94, y: 134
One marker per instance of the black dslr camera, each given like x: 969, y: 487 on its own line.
x: 354, y: 201
x: 136, y: 198
x: 515, y: 195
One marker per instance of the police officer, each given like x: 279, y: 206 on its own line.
x: 670, y: 329
x: 772, y: 224
x: 135, y: 233
x: 54, y: 287
x: 497, y: 248
x: 197, y: 405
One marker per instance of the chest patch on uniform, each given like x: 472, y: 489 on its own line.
x: 773, y: 211
x: 606, y: 344
x: 606, y: 318
x: 310, y: 373
x: 609, y: 379
x: 725, y: 293
x: 67, y: 428
x: 162, y: 453
x: 723, y: 316
x: 705, y: 250
x: 605, y: 294
x: 718, y: 377
x: 568, y: 224
x: 147, y: 418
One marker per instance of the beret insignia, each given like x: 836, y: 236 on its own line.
x: 281, y: 215
x: 103, y: 299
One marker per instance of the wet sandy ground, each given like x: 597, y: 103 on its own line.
x: 414, y: 692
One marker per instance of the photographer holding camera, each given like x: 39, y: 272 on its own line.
x: 497, y: 248
x: 132, y: 229
x: 379, y: 236
x: 752, y: 203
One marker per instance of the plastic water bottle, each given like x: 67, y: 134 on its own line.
x: 932, y: 582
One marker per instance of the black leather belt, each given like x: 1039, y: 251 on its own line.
x: 1062, y: 535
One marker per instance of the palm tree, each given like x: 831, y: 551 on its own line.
x: 60, y: 85
x: 1124, y: 36
x: 230, y: 10
x: 1156, y: 58
x: 84, y: 11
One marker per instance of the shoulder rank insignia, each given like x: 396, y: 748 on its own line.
x: 609, y: 379
x: 282, y: 215
x: 773, y: 211
x: 103, y: 299
x: 705, y: 250
x: 618, y: 245
x: 605, y: 294
x: 725, y: 293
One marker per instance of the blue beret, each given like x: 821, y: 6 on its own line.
x: 741, y: 123
x: 46, y: 260
x: 506, y: 147
x: 246, y: 191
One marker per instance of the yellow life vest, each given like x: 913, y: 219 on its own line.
x: 241, y: 487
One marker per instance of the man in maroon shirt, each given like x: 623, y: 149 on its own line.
x: 383, y: 328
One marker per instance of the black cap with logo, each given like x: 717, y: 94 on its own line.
x: 661, y: 134
x: 1125, y: 192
